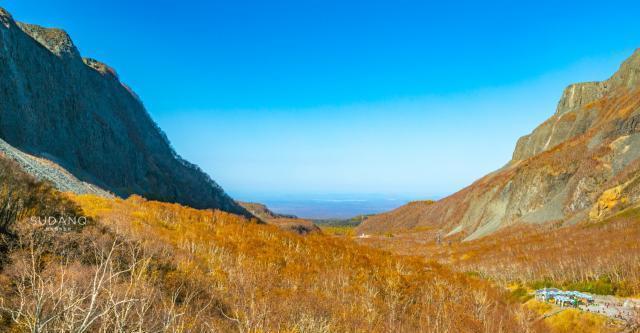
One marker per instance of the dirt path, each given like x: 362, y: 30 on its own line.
x: 611, y: 307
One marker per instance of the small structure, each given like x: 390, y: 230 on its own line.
x: 546, y: 294
x: 582, y: 298
x: 563, y: 298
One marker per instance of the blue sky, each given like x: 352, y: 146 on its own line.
x: 406, y: 98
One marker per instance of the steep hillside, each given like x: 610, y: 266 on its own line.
x: 75, y: 112
x: 602, y: 257
x: 582, y: 163
x: 396, y: 220
x: 45, y: 170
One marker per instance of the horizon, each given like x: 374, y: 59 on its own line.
x: 378, y: 102
x: 319, y: 166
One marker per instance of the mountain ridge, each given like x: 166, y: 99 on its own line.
x: 558, y: 172
x: 75, y: 112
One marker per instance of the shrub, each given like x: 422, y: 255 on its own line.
x: 22, y: 196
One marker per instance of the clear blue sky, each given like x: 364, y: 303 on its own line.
x: 301, y: 97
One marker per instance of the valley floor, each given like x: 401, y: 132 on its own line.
x: 142, y: 265
x: 602, y: 258
x: 149, y: 266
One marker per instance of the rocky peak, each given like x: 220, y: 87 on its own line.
x: 5, y: 18
x: 628, y: 76
x: 101, y: 67
x: 580, y: 94
x: 55, y: 40
x: 74, y: 112
x: 572, y: 118
x: 582, y: 163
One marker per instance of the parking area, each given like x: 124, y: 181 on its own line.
x: 625, y: 309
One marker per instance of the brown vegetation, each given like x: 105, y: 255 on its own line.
x: 600, y: 257
x: 152, y: 266
x: 282, y: 221
x: 400, y: 219
x: 570, y: 320
x: 22, y: 196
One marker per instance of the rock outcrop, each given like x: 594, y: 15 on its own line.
x: 45, y: 170
x: 582, y: 163
x: 75, y: 112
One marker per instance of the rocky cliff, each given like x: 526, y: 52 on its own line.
x: 583, y: 163
x: 75, y: 112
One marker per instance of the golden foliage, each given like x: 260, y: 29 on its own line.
x: 265, y: 279
x: 346, y: 231
x: 538, y: 307
x: 608, y: 200
x: 571, y: 320
x: 600, y: 257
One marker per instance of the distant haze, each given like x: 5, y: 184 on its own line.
x: 332, y: 206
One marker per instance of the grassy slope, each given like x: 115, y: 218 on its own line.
x: 601, y: 257
x: 275, y: 280
x: 163, y: 267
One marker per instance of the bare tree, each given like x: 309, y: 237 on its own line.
x: 47, y: 299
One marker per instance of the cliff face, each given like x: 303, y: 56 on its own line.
x: 74, y: 111
x: 582, y: 163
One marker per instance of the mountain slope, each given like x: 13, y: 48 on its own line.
x: 582, y: 163
x: 282, y: 221
x: 75, y: 112
x: 263, y: 212
x: 45, y: 170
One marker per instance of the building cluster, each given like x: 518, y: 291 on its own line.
x: 563, y: 298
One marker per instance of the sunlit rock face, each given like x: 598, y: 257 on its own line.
x: 580, y: 164
x: 75, y: 112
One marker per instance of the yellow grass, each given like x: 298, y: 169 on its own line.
x: 574, y: 320
x: 571, y: 320
x: 539, y: 307
x: 346, y: 231
x: 272, y: 280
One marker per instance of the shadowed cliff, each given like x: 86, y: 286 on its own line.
x: 75, y: 112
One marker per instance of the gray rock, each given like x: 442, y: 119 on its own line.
x: 76, y: 113
x: 45, y: 170
x: 573, y: 115
x: 578, y: 95
x: 582, y: 163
